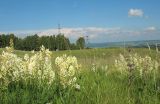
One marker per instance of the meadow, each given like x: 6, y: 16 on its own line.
x: 97, y: 76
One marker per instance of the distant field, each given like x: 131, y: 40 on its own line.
x: 99, y: 83
x: 100, y: 56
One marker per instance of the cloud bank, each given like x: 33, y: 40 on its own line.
x: 99, y: 34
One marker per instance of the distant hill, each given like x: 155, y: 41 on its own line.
x: 143, y: 43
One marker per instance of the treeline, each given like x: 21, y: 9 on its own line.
x: 54, y: 42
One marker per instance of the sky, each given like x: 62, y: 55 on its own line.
x: 101, y: 20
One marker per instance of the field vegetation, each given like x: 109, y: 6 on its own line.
x: 89, y: 76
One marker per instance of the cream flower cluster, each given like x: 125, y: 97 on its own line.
x: 11, y: 67
x: 143, y: 65
x: 121, y: 64
x: 40, y: 66
x: 67, y: 68
x: 14, y: 68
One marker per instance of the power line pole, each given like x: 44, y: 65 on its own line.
x: 87, y: 41
x: 59, y: 29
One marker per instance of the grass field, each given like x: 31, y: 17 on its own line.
x: 98, y: 80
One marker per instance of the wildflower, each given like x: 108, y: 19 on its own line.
x: 38, y: 66
x: 26, y: 57
x: 142, y: 65
x: 93, y: 67
x: 77, y: 87
x: 67, y: 68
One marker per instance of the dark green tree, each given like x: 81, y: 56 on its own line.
x: 33, y: 42
x: 80, y: 43
x: 62, y: 43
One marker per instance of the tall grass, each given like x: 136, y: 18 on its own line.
x: 99, y: 82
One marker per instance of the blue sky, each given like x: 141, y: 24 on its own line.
x: 101, y: 20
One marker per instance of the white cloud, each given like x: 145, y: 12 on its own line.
x: 152, y: 28
x: 135, y: 13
